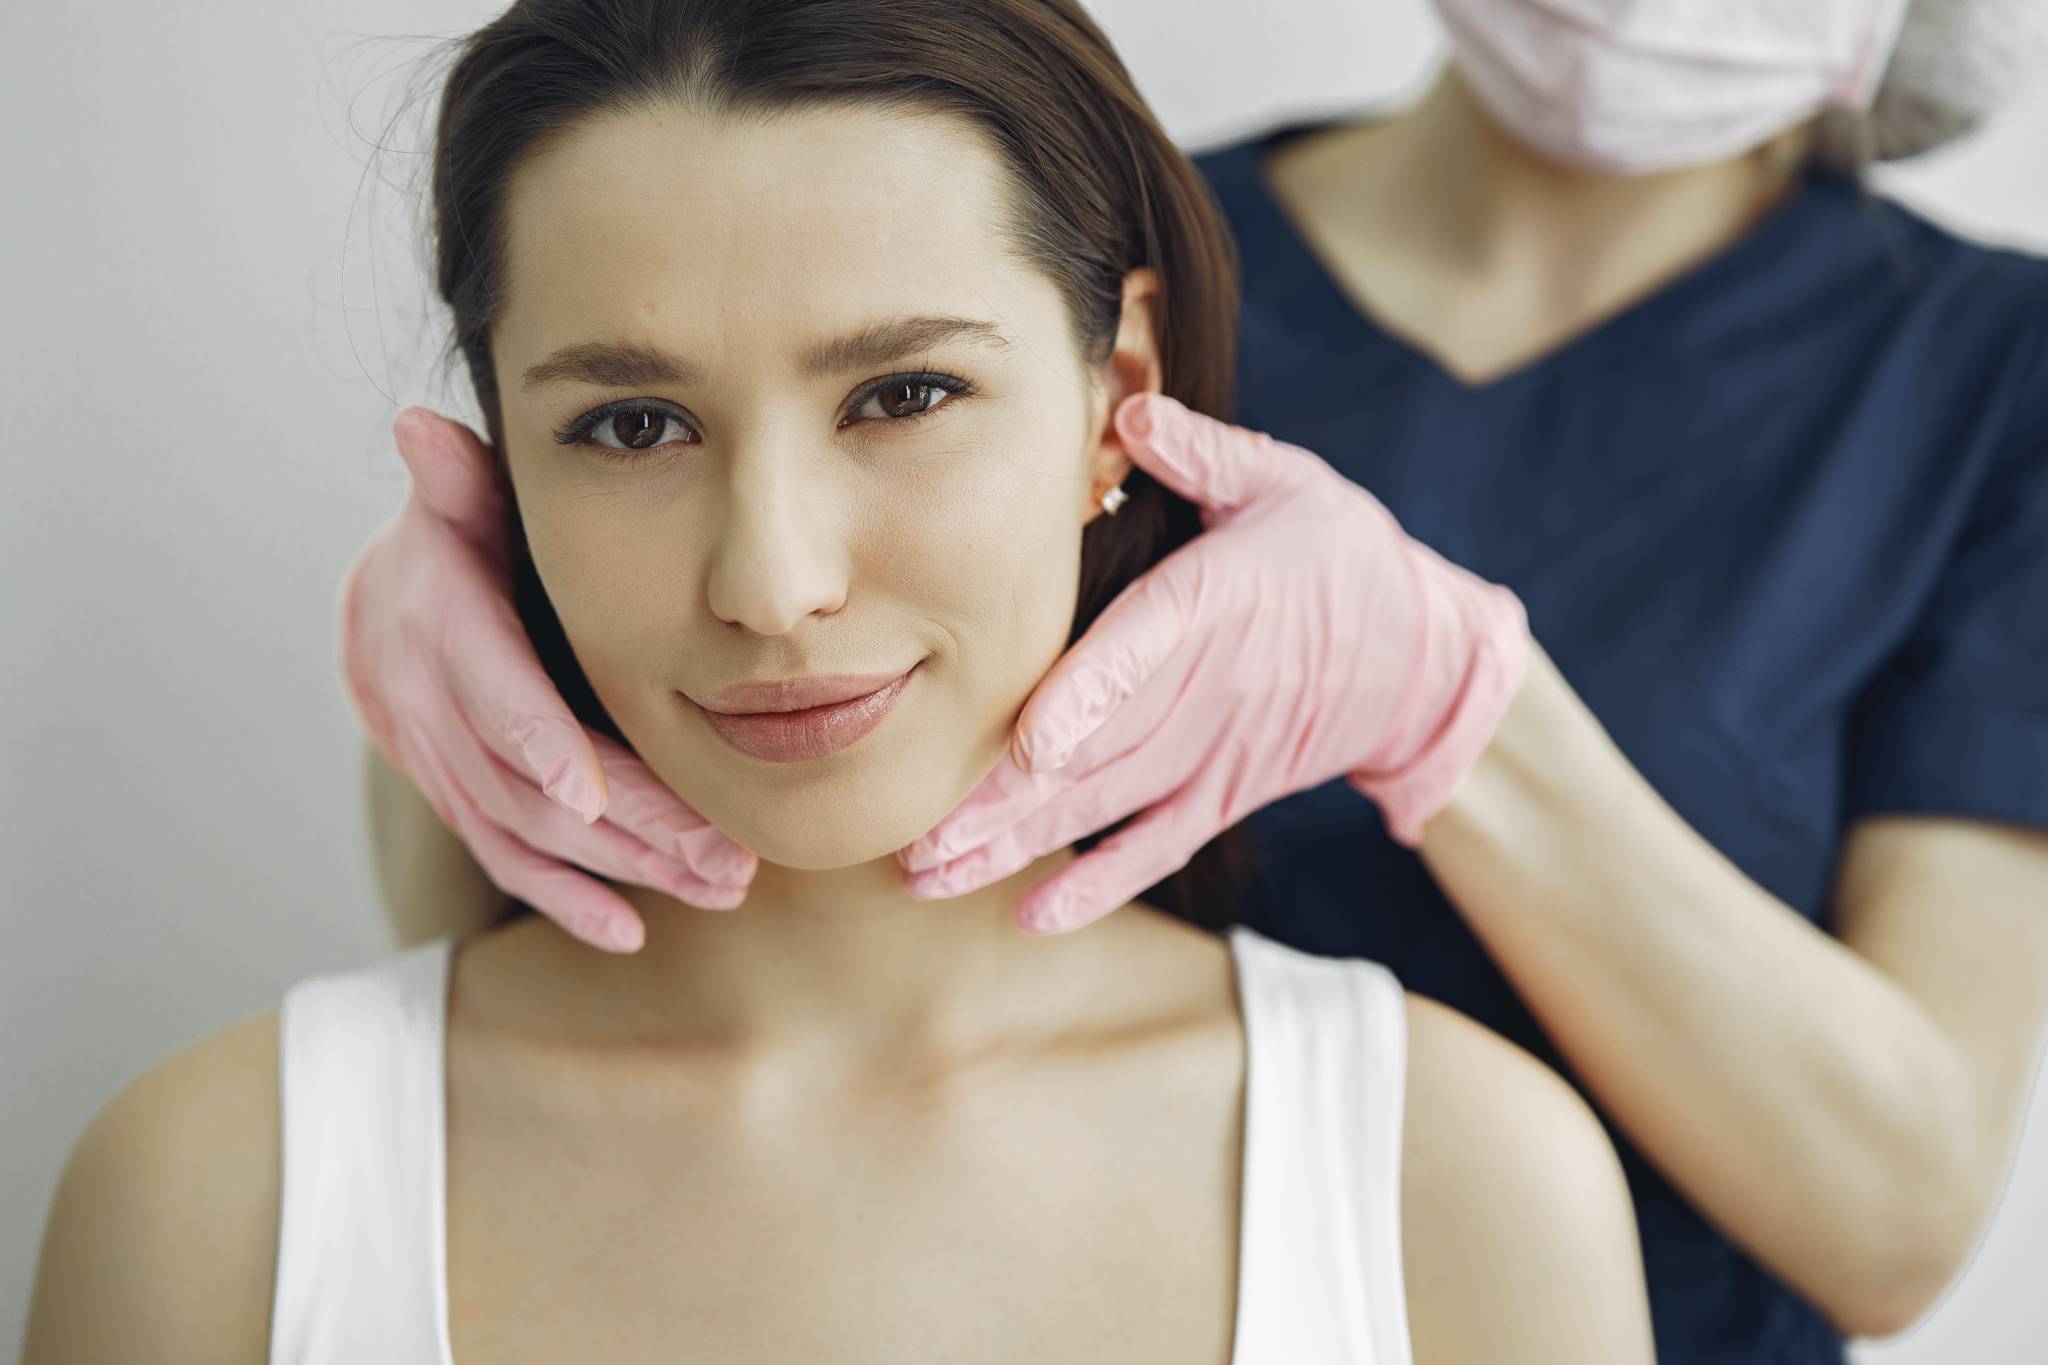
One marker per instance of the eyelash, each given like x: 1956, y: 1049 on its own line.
x: 578, y: 432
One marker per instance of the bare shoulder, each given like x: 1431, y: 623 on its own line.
x: 1519, y: 1239
x: 161, y: 1242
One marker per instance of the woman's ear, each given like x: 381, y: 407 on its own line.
x: 1133, y: 367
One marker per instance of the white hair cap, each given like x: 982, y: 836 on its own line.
x: 1955, y: 63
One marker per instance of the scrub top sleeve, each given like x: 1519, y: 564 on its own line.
x: 1957, y: 724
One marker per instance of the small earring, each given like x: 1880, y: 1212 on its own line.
x: 1114, y: 498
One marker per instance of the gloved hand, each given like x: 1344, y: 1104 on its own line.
x: 1302, y: 635
x: 445, y: 680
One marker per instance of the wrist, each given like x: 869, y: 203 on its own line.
x: 1473, y: 652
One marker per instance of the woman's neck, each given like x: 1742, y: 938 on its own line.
x: 841, y: 967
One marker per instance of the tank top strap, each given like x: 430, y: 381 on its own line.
x: 1320, y: 1261
x: 361, y: 1235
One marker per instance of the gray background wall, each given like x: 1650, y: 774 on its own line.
x: 209, y: 309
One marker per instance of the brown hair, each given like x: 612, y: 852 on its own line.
x: 1097, y: 189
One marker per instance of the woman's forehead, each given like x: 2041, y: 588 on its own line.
x: 805, y: 221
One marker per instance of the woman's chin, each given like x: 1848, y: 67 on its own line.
x: 802, y: 854
x: 809, y: 836
x: 832, y: 817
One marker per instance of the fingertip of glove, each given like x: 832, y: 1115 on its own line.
x: 407, y: 424
x: 1134, y: 416
x: 575, y: 794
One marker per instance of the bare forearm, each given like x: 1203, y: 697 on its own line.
x: 429, y: 882
x: 1801, y: 1098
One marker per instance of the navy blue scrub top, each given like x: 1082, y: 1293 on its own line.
x: 1783, y: 525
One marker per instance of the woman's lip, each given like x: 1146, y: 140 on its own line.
x: 795, y: 694
x: 794, y: 736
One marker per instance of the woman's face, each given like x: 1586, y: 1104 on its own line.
x: 765, y: 502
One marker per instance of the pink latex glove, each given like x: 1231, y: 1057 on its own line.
x: 1302, y: 635
x: 445, y: 680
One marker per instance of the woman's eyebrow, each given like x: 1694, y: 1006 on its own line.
x: 625, y: 364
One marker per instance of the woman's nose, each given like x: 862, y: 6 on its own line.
x: 779, y: 556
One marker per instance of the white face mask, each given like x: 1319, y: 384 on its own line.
x: 1647, y: 85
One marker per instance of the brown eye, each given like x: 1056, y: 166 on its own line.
x: 637, y: 428
x: 627, y: 427
x: 909, y: 397
x: 906, y: 400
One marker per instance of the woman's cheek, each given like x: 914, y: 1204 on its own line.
x: 575, y: 551
x: 1001, y: 576
x: 993, y: 522
x: 587, y: 564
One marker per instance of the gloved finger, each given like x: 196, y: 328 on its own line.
x: 1134, y: 733
x: 997, y: 802
x: 453, y: 470
x: 469, y: 639
x: 1092, y: 804
x: 1109, y: 876
x: 584, y: 907
x: 646, y: 807
x: 511, y: 804
x: 1217, y: 466
x: 507, y: 697
x: 1119, y: 653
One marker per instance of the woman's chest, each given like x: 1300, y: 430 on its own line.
x: 1036, y: 1220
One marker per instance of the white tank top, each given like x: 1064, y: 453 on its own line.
x: 362, y: 1237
